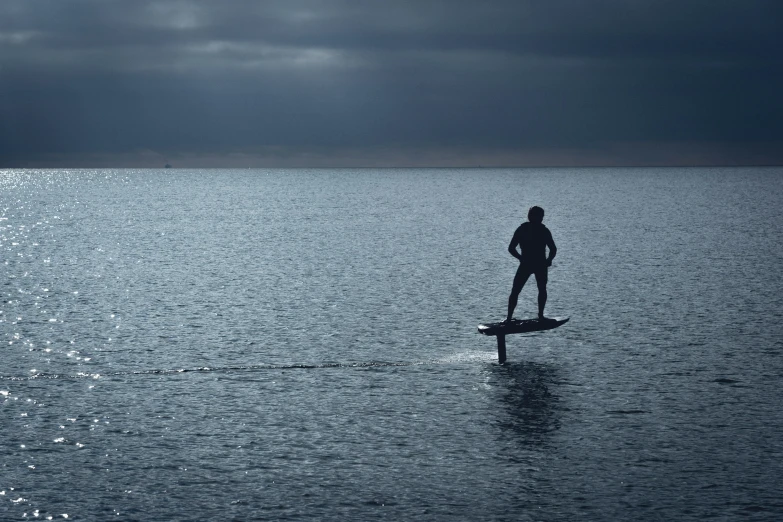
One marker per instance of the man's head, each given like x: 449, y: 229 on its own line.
x: 535, y: 215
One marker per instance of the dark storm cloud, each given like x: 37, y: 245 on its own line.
x: 178, y: 77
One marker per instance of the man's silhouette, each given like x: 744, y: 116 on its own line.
x: 533, y: 238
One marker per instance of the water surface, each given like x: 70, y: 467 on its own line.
x: 301, y: 345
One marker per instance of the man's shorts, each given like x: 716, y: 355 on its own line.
x: 524, y: 271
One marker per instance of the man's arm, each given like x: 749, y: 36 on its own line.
x: 552, y: 250
x: 512, y: 247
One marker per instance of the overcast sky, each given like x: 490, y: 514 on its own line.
x: 390, y: 82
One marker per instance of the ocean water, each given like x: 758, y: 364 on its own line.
x: 302, y: 345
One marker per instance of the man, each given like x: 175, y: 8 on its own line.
x: 533, y: 238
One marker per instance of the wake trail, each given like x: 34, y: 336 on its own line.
x: 451, y: 359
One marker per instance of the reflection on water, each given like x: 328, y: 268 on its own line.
x: 528, y: 402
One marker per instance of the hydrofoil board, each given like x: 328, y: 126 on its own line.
x: 522, y: 326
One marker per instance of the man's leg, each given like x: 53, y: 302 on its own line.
x: 541, y: 280
x: 519, y: 281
